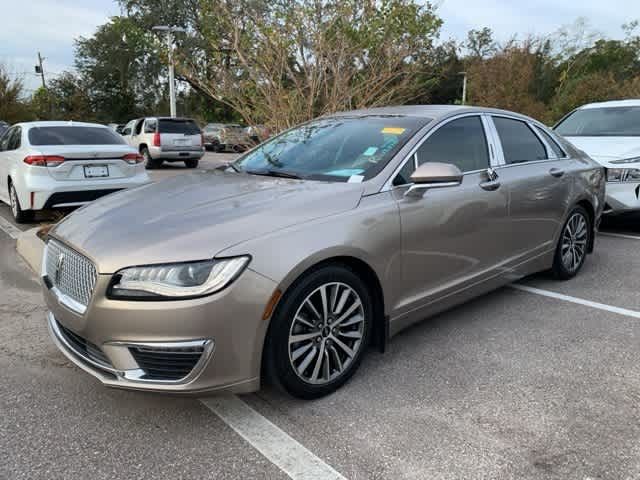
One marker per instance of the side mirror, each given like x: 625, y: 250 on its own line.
x: 434, y: 175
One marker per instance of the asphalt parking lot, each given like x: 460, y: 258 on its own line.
x: 540, y: 383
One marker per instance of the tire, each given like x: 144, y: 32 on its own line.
x: 301, y: 368
x: 193, y: 163
x: 19, y: 215
x: 573, y: 244
x: 149, y: 162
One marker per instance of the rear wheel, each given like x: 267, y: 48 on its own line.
x: 149, y: 162
x: 19, y: 215
x: 193, y: 163
x: 573, y: 245
x: 319, y: 333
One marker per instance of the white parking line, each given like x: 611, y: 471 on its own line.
x: 618, y: 235
x: 9, y: 229
x: 579, y: 301
x: 279, y: 448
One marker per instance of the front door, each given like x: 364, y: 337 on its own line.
x: 451, y: 237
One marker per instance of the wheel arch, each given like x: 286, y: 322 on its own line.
x: 364, y: 270
x: 586, y: 204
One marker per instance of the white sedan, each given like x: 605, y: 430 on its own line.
x: 609, y: 132
x: 63, y: 164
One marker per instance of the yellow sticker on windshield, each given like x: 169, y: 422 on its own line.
x: 393, y: 130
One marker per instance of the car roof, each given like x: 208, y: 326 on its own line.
x: 434, y: 112
x: 612, y: 104
x: 57, y: 123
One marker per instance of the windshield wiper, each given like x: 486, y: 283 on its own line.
x: 274, y: 173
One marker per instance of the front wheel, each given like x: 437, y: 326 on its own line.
x: 319, y: 332
x: 193, y: 163
x: 573, y: 245
x: 19, y: 215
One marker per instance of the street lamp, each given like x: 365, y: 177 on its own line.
x: 172, y: 85
x: 464, y: 87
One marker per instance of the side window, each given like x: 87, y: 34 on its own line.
x: 461, y: 142
x: 4, y: 139
x: 138, y: 127
x: 150, y: 126
x: 555, y: 148
x: 404, y: 176
x: 15, y: 140
x: 519, y: 143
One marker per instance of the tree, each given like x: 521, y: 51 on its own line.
x: 13, y: 108
x: 480, y: 43
x: 507, y: 80
x: 121, y: 67
x: 285, y: 62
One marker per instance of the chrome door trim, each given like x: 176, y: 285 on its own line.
x: 388, y: 185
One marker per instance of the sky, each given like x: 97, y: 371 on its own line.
x: 50, y: 26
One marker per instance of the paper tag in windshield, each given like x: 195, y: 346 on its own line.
x: 370, y: 152
x: 393, y: 130
x: 355, y: 179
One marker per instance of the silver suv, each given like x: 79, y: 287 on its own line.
x: 165, y: 139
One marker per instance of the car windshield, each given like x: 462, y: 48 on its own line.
x: 186, y: 127
x: 334, y: 149
x: 74, y: 135
x: 601, y: 122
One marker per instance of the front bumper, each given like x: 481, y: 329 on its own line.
x: 622, y: 197
x: 226, y: 328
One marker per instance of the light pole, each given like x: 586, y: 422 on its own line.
x: 464, y: 87
x: 172, y: 84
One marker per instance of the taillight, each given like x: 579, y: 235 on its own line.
x: 133, y: 158
x: 156, y: 139
x: 43, y: 160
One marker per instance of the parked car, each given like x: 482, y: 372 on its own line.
x: 609, y: 132
x: 225, y: 137
x: 258, y: 133
x: 116, y: 127
x: 330, y: 237
x: 63, y: 164
x: 165, y: 139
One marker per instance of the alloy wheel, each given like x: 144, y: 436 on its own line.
x: 327, y: 333
x: 574, y: 242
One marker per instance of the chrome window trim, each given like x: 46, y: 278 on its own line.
x: 389, y: 186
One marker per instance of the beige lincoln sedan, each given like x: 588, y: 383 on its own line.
x: 327, y: 239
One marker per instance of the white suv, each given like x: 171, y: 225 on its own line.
x: 63, y: 164
x: 609, y: 132
x: 160, y: 139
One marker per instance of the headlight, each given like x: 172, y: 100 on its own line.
x: 623, y: 175
x: 177, y: 280
x: 626, y: 160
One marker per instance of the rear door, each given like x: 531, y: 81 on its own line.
x: 89, y: 152
x: 536, y: 177
x: 179, y: 133
x: 451, y: 236
x: 6, y: 158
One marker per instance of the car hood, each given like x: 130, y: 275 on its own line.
x: 606, y: 149
x: 195, y: 216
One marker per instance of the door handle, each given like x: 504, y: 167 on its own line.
x: 556, y: 172
x: 490, y: 185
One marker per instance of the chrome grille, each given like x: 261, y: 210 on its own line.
x: 72, y: 274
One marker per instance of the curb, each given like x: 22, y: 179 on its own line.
x: 30, y: 247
